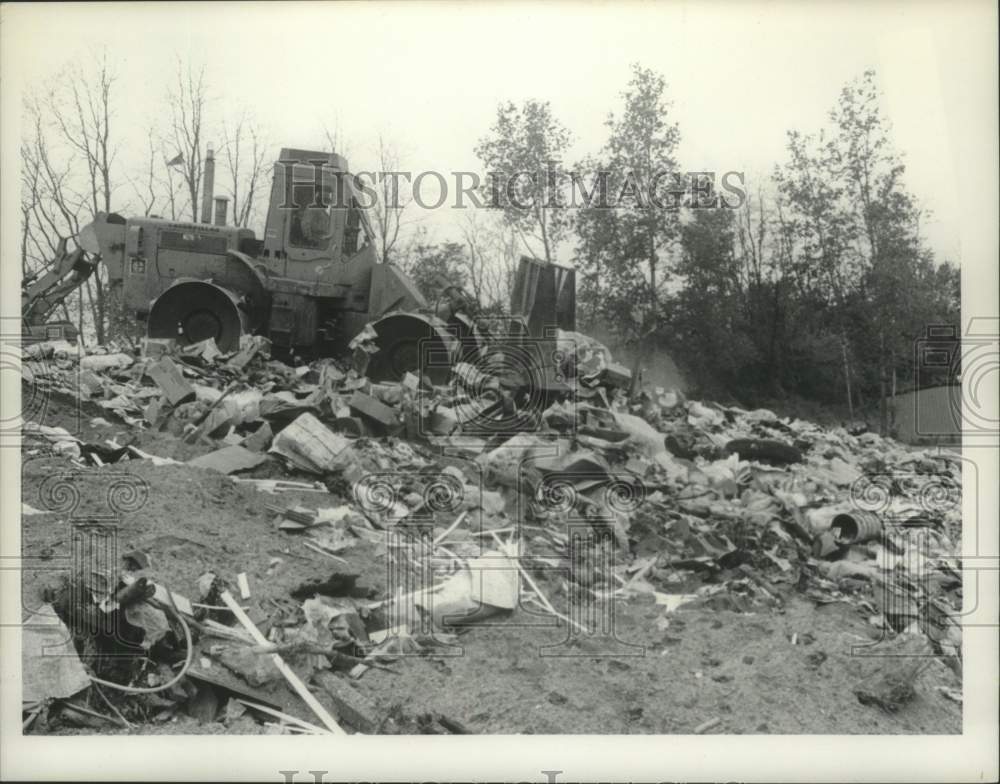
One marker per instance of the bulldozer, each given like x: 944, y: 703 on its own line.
x: 310, y: 284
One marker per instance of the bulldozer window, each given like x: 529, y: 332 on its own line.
x: 355, y: 232
x: 310, y: 227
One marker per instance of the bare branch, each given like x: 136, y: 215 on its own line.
x: 393, y: 196
x: 187, y: 104
x: 245, y: 154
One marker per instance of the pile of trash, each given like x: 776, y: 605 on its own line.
x: 473, y: 490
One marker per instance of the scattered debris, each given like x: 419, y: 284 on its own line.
x: 893, y: 672
x: 486, y: 503
x: 352, y: 706
x: 229, y: 460
x: 311, y: 446
x: 244, y: 584
x: 51, y: 668
x: 294, y: 681
x: 167, y: 376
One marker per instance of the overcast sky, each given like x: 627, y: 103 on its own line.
x: 429, y: 76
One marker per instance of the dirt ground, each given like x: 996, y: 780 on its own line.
x: 670, y: 674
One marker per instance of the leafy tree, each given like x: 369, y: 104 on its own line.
x: 823, y: 232
x: 523, y: 157
x: 885, y: 219
x: 856, y: 228
x: 709, y: 325
x: 740, y: 322
x: 628, y: 230
x: 434, y: 266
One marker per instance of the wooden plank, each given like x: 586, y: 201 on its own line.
x: 293, y: 680
x: 285, y: 717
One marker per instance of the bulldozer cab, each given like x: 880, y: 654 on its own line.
x: 316, y: 211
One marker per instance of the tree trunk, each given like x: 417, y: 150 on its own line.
x: 883, y: 384
x: 772, y: 351
x: 100, y: 311
x: 95, y: 313
x: 847, y: 376
x: 25, y: 227
x: 635, y: 384
x: 545, y: 237
x: 892, y: 399
x: 653, y: 304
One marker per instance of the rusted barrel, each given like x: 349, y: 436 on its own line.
x: 856, y: 527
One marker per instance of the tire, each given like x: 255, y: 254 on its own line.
x: 764, y: 450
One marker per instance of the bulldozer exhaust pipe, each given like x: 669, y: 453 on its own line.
x: 208, y: 186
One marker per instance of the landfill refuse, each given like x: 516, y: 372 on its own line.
x: 426, y: 523
x: 51, y: 667
x: 856, y: 528
x: 310, y: 445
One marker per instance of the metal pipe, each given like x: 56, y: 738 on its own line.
x: 208, y: 186
x: 856, y: 527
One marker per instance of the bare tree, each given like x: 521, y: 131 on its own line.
x: 492, y: 260
x: 172, y: 182
x: 329, y: 136
x: 334, y: 139
x: 42, y: 228
x: 50, y: 206
x: 392, y: 197
x: 29, y: 199
x: 245, y: 152
x: 81, y: 109
x: 187, y: 99
x: 145, y: 190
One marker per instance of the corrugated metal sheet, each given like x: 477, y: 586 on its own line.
x: 932, y: 415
